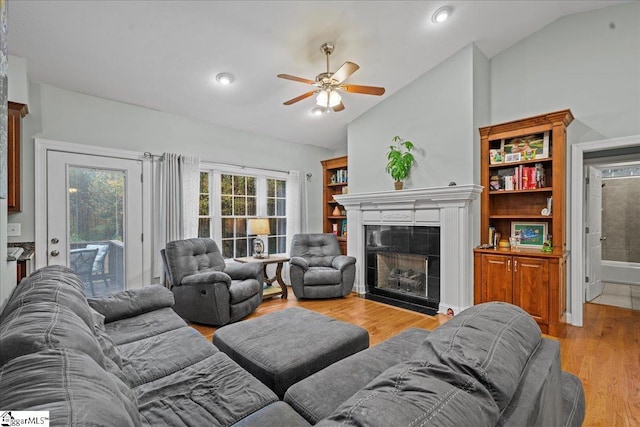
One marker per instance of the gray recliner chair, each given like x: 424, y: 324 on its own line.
x: 207, y: 290
x: 317, y: 267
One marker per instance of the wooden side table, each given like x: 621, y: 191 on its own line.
x: 273, y: 259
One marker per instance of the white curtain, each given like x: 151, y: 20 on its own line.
x: 190, y: 171
x: 296, y: 209
x: 179, y: 199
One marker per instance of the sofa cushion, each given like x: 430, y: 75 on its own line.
x: 276, y: 414
x: 55, y: 284
x: 490, y: 342
x: 121, y: 305
x: 318, y: 395
x: 106, y: 342
x: 145, y: 325
x: 213, y: 392
x: 45, y: 325
x: 160, y: 355
x: 573, y: 405
x: 412, y: 394
x: 538, y: 398
x: 322, y: 276
x: 71, y: 386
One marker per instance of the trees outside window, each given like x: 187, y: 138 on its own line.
x: 227, y: 200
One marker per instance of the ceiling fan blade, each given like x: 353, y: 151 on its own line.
x: 367, y: 90
x: 338, y: 107
x: 300, y: 98
x: 295, y: 79
x: 345, y: 71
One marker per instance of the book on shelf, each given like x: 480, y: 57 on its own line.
x: 335, y: 228
x: 342, y: 176
x: 521, y: 178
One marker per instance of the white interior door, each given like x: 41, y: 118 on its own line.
x: 94, y: 219
x: 593, y: 241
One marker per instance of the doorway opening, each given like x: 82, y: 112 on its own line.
x: 581, y: 153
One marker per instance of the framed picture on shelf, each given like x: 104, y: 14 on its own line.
x: 529, y: 147
x: 344, y: 228
x: 531, y: 234
x: 496, y: 156
x: 512, y: 157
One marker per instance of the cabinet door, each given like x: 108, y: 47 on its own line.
x: 497, y: 282
x: 531, y: 286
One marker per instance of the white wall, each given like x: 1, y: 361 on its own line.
x: 18, y: 90
x: 435, y: 112
x: 577, y: 62
x: 62, y: 115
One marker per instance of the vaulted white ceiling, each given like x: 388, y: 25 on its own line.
x: 164, y: 55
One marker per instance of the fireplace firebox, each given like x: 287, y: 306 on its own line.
x: 403, y: 266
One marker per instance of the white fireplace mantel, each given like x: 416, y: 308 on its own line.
x: 446, y: 207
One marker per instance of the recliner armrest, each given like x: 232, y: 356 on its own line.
x: 238, y: 271
x: 300, y: 262
x: 206, y: 278
x: 342, y: 261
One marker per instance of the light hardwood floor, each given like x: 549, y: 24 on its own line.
x: 605, y: 353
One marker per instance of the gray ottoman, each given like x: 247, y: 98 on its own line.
x: 287, y: 346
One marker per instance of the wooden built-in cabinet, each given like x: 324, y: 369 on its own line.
x: 335, y: 179
x: 15, y: 113
x: 527, y: 277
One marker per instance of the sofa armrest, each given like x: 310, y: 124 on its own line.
x: 342, y: 261
x: 300, y: 262
x: 133, y: 302
x: 206, y: 278
x: 238, y: 271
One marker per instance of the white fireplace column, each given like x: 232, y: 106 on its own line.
x: 444, y: 207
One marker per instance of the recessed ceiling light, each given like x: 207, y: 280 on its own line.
x: 224, y: 78
x: 442, y: 14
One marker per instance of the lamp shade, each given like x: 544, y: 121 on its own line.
x: 258, y: 226
x: 328, y: 98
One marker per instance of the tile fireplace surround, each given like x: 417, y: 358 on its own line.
x: 446, y: 207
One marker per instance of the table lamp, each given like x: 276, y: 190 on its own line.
x: 258, y: 227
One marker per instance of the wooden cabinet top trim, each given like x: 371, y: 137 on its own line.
x: 23, y: 109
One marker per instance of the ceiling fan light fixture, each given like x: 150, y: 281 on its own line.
x: 442, y: 14
x: 328, y: 98
x: 225, y: 78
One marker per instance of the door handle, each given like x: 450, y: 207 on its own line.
x: 603, y: 238
x: 54, y: 241
x: 508, y: 265
x: 55, y: 253
x: 515, y: 265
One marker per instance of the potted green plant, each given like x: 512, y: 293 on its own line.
x: 400, y: 160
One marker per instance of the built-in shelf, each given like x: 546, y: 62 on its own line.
x: 516, y: 216
x: 530, y: 278
x: 532, y: 190
x: 334, y: 182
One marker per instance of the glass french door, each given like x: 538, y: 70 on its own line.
x: 94, y: 219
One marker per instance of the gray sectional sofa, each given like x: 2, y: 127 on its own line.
x: 128, y: 359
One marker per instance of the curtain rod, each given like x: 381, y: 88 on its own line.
x: 149, y: 155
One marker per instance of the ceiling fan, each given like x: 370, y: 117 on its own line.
x: 328, y: 84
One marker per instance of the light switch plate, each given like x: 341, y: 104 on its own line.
x: 13, y: 229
